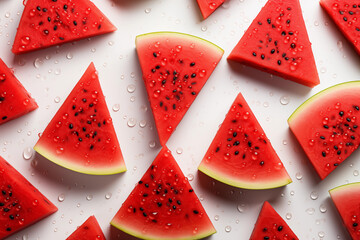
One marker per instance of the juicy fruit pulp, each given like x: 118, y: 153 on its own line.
x: 270, y: 225
x: 241, y: 155
x: 332, y: 135
x: 277, y: 42
x: 21, y: 204
x: 207, y: 7
x: 345, y: 14
x: 163, y: 205
x: 15, y: 101
x: 347, y: 201
x: 175, y: 67
x: 90, y: 229
x: 81, y: 135
x: 46, y: 23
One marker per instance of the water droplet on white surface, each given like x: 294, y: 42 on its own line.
x: 152, y: 144
x: 284, y: 100
x: 7, y: 14
x: 316, y: 23
x: 34, y: 163
x: 131, y: 88
x: 292, y: 193
x: 131, y: 122
x: 298, y: 176
x: 111, y: 43
x: 142, y: 123
x: 69, y: 56
x: 38, y: 62
x: 108, y: 195
x: 356, y: 173
x: 89, y: 197
x: 241, y: 208
x: 310, y: 211
x: 314, y: 195
x: 55, y: 230
x: 70, y: 221
x: 57, y: 99
x: 288, y: 216
x: 204, y: 28
x: 57, y: 71
x: 132, y: 74
x: 61, y: 197
x: 321, y: 234
x: 340, y: 45
x: 216, y: 217
x: 322, y: 208
x: 132, y: 99
x: 228, y: 228
x: 24, y: 237
x: 147, y: 10
x: 179, y: 150
x: 78, y: 205
x: 266, y: 104
x: 28, y: 153
x: 93, y: 50
x: 190, y: 177
x: 116, y: 107
x: 284, y: 142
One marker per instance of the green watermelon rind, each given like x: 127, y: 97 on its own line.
x: 318, y: 96
x: 139, y: 235
x: 267, y: 184
x: 343, y: 188
x: 78, y: 167
x: 183, y: 35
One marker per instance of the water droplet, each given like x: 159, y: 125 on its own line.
x: 316, y: 23
x: 322, y: 208
x: 340, y: 45
x: 131, y: 88
x: 132, y: 74
x: 61, y: 197
x: 204, y: 28
x: 216, y: 217
x: 111, y: 43
x: 7, y: 14
x: 55, y: 229
x: 57, y: 71
x: 266, y: 104
x: 57, y: 99
x: 70, y: 221
x: 116, y: 107
x: 321, y: 234
x: 147, y: 10
x: 142, y: 123
x: 89, y: 197
x: 241, y: 208
x: 228, y: 228
x: 284, y: 142
x: 69, y: 56
x: 314, y: 195
x: 179, y: 150
x: 38, y: 62
x: 93, y: 50
x: 292, y: 193
x: 356, y: 173
x: 132, y: 99
x: 284, y: 100
x: 108, y: 195
x: 78, y: 205
x: 34, y: 163
x: 288, y: 216
x: 190, y: 177
x: 298, y: 176
x: 152, y: 144
x: 24, y: 237
x: 310, y: 211
x: 28, y: 153
x: 323, y: 70
x: 131, y: 122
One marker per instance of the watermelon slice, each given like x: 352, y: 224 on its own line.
x: 270, y: 225
x: 81, y: 135
x: 277, y: 42
x: 207, y: 7
x: 21, y: 204
x: 345, y: 14
x: 90, y: 229
x: 163, y: 205
x: 15, y: 101
x: 332, y: 134
x: 241, y: 155
x: 46, y: 23
x: 347, y: 201
x: 175, y: 67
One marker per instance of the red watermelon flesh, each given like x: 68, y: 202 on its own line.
x: 175, y: 67
x: 207, y: 7
x: 241, y: 155
x: 345, y: 14
x: 163, y: 205
x: 21, y: 204
x: 270, y: 225
x: 89, y: 230
x: 332, y: 134
x: 46, y: 23
x: 15, y: 101
x: 81, y: 135
x: 347, y: 201
x: 277, y: 42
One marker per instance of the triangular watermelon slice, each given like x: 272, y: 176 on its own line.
x: 81, y: 135
x: 207, y: 7
x: 347, y: 201
x: 270, y: 225
x: 345, y: 14
x: 21, y: 204
x: 46, y: 23
x: 163, y: 205
x: 90, y: 229
x: 15, y: 101
x: 241, y: 155
x: 277, y: 42
x: 175, y: 67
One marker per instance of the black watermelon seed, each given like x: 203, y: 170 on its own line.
x: 356, y: 107
x: 12, y: 217
x: 3, y: 192
x: 38, y: 8
x: 145, y: 215
x: 268, y: 21
x: 283, y: 33
x: 174, y: 207
x: 61, y: 38
x: 157, y: 66
x: 355, y: 224
x: 71, y: 126
x: 192, y: 64
x: 174, y: 106
x: 154, y: 54
x: 338, y: 152
x: 236, y: 143
x: 191, y: 190
x: 145, y: 195
x: 288, y: 21
x: 193, y: 75
x: 262, y: 56
x: 323, y: 154
x: 280, y: 228
x: 217, y: 149
x: 326, y: 126
x: 80, y: 139
x: 266, y: 238
x: 348, y: 119
x: 91, y: 105
x: 244, y: 156
x: 291, y: 33
x: 49, y: 19
x: 249, y: 144
x: 345, y: 19
x: 260, y: 23
x: 141, y: 209
x: 336, y: 147
x: 234, y: 134
x: 6, y: 209
x: 336, y: 164
x: 4, y: 117
x: 265, y: 229
x: 229, y: 139
x: 76, y: 114
x: 2, y: 204
x: 261, y: 163
x: 140, y: 182
x: 193, y: 93
x: 341, y: 113
x: 254, y: 54
x: 279, y: 62
x: 41, y: 23
x: 153, y: 70
x: 322, y: 137
x: 178, y: 202
x: 146, y: 185
x: 236, y: 152
x: 65, y: 6
x: 272, y: 51
x: 170, y: 200
x: 2, y: 98
x: 91, y: 147
x: 196, y: 211
x: 352, y: 137
x: 134, y: 210
x: 354, y: 6
x: 293, y: 45
x: 159, y: 204
x: 8, y: 229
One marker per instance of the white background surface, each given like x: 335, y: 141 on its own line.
x: 49, y: 75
